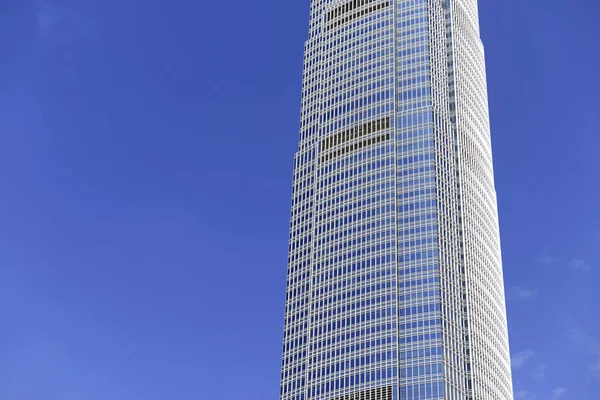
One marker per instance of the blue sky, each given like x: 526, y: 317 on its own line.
x: 145, y: 181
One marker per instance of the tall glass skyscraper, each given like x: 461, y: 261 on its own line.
x: 395, y: 288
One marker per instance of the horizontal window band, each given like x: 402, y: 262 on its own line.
x: 355, y: 133
x: 355, y: 146
x: 343, y: 14
x: 383, y: 393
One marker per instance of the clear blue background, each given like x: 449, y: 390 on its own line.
x: 145, y: 181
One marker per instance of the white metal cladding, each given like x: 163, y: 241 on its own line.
x: 394, y: 286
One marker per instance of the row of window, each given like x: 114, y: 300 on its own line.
x: 365, y: 346
x: 386, y: 328
x: 358, y: 379
x: 423, y: 391
x: 358, y: 362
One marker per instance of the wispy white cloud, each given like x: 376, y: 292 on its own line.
x: 524, y: 395
x: 539, y: 372
x: 581, y: 339
x: 576, y: 264
x: 518, y: 360
x: 548, y: 260
x: 46, y: 18
x: 522, y: 293
x: 558, y: 392
x: 58, y: 24
x: 595, y: 367
x: 579, y: 265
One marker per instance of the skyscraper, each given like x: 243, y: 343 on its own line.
x: 395, y: 288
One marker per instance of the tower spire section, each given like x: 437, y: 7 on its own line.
x: 394, y: 287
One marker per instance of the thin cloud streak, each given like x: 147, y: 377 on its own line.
x: 47, y: 17
x: 519, y: 360
x: 581, y: 339
x: 558, y: 392
x: 60, y: 25
x: 524, y: 395
x: 579, y: 265
x: 548, y: 260
x: 540, y: 371
x: 522, y: 293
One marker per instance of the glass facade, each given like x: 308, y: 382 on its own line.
x: 394, y: 287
